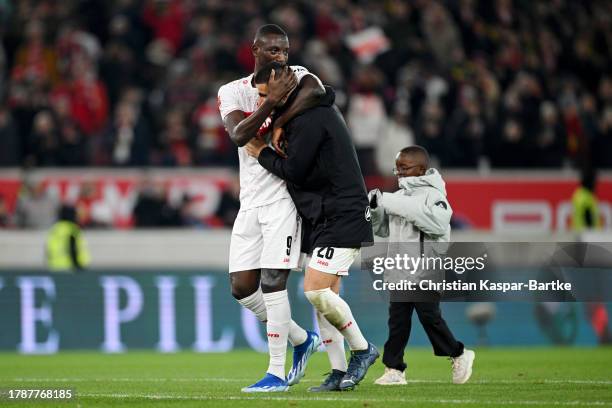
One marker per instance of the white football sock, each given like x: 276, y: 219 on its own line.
x: 334, y: 343
x: 255, y: 303
x: 297, y: 335
x: 277, y: 327
x: 339, y: 314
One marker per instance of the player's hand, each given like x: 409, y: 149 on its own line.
x: 279, y: 87
x: 278, y: 139
x: 255, y: 146
x: 374, y: 197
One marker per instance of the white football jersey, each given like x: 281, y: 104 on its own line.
x: 258, y: 187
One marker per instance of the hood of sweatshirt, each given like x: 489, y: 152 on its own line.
x: 431, y: 178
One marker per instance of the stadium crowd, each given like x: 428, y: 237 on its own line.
x: 133, y: 82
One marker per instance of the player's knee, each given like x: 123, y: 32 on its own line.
x: 273, y: 280
x: 318, y: 298
x: 242, y: 291
x: 242, y: 288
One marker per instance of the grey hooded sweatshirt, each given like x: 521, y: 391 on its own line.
x: 418, y: 211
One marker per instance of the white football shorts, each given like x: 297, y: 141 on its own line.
x: 335, y: 261
x: 269, y: 237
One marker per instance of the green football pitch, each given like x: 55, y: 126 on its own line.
x: 519, y: 377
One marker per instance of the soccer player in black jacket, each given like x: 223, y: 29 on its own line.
x: 325, y: 182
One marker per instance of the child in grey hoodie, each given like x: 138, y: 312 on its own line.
x: 418, y: 212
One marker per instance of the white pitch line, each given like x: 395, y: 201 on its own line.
x: 606, y: 382
x: 246, y: 380
x: 352, y: 399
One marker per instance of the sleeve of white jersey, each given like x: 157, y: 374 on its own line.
x: 227, y: 99
x: 301, y: 72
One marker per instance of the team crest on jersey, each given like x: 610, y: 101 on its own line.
x: 368, y: 213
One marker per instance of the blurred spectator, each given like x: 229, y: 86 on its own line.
x: 43, y: 141
x: 467, y: 131
x: 326, y: 67
x: 74, y: 43
x: 187, y: 213
x: 153, y: 210
x: 510, y: 147
x: 10, y: 143
x: 127, y: 139
x: 430, y: 132
x: 149, y: 204
x: 585, y: 209
x: 550, y: 140
x: 396, y: 136
x: 91, y: 211
x: 119, y: 69
x: 4, y: 213
x: 441, y: 34
x: 2, y: 69
x: 36, y: 208
x: 175, y: 140
x: 366, y: 116
x: 33, y: 73
x: 166, y: 18
x: 603, y: 144
x: 212, y: 147
x: 71, y: 150
x: 229, y: 205
x: 66, y: 249
x: 35, y: 61
x: 87, y: 95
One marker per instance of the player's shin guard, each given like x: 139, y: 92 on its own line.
x: 255, y: 303
x: 279, y: 320
x: 334, y: 343
x: 338, y: 313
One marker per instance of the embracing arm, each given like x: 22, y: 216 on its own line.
x: 242, y: 129
x: 309, y: 96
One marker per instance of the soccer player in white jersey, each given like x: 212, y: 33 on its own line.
x: 266, y: 237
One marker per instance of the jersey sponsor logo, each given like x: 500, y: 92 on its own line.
x: 327, y: 341
x: 285, y: 260
x: 320, y: 262
x: 368, y: 213
x: 275, y: 335
x: 264, y: 128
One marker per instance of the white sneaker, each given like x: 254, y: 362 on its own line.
x: 392, y: 377
x: 462, y: 366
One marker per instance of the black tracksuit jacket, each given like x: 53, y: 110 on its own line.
x: 323, y: 178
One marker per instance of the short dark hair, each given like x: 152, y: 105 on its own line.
x: 417, y: 151
x: 67, y: 213
x: 263, y: 75
x: 269, y: 29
